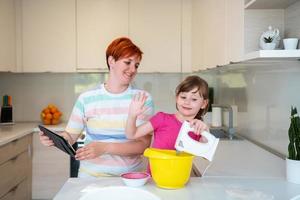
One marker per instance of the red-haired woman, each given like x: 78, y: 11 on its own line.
x: 102, y: 112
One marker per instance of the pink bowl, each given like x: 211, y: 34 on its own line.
x: 135, y: 179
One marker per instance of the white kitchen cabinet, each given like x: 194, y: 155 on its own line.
x: 98, y: 23
x: 217, y: 32
x: 155, y: 26
x: 7, y: 35
x: 48, y: 36
x: 16, y: 168
x: 50, y: 170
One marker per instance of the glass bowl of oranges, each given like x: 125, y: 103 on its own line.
x: 51, y: 115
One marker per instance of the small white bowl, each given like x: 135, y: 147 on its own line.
x: 135, y: 179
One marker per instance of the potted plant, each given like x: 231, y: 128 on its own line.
x: 293, y: 160
x: 268, y: 43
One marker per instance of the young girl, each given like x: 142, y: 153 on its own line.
x: 191, y: 105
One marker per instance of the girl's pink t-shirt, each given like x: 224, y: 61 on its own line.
x: 166, y: 128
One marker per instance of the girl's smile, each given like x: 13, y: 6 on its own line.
x: 189, y: 103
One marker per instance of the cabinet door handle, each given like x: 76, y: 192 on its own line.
x: 14, y: 188
x: 14, y: 158
x: 15, y: 141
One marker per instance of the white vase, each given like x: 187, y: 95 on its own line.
x: 268, y: 46
x: 293, y: 170
x: 290, y: 43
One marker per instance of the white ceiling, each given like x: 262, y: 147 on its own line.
x: 269, y: 4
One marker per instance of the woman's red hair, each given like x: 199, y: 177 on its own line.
x: 122, y: 48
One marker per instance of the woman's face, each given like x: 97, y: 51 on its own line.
x: 189, y: 103
x: 124, y: 69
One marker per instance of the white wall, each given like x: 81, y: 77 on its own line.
x: 292, y: 21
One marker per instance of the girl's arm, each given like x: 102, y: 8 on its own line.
x: 135, y: 109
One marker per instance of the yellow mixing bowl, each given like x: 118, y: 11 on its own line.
x: 168, y: 169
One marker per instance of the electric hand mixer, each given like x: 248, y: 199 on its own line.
x: 187, y: 144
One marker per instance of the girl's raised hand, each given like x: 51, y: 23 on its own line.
x: 137, y: 104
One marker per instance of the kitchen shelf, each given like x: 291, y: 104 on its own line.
x: 268, y: 4
x: 273, y: 54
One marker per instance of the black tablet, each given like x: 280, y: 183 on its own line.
x: 58, y: 141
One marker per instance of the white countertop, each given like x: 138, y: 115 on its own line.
x: 237, y: 163
x: 197, y: 188
x: 236, y: 158
x: 232, y: 158
x: 9, y: 133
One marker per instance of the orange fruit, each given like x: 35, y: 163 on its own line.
x: 56, y: 115
x: 55, y: 121
x: 53, y: 109
x: 47, y: 121
x: 46, y: 110
x: 43, y: 115
x: 48, y: 116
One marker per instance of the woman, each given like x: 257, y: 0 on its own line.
x: 102, y: 113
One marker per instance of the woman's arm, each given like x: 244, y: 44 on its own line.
x: 71, y: 138
x: 95, y: 149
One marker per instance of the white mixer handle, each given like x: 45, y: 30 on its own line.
x: 185, y: 143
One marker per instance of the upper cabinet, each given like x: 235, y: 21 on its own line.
x: 48, y: 36
x: 7, y: 35
x: 217, y: 32
x: 155, y: 26
x: 98, y: 23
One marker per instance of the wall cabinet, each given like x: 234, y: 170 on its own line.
x: 72, y: 35
x: 156, y: 27
x: 217, y: 32
x: 7, y: 35
x: 16, y: 169
x: 48, y: 36
x: 98, y: 23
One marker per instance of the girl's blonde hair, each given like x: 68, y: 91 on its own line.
x: 190, y: 83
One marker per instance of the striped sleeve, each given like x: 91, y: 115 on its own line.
x: 76, y: 122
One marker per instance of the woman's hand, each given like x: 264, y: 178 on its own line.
x: 199, y: 126
x: 45, y: 140
x: 91, y: 151
x: 137, y: 104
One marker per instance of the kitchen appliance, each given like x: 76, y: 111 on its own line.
x: 169, y: 170
x: 187, y: 144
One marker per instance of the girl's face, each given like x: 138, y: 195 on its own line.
x: 189, y: 103
x: 124, y: 69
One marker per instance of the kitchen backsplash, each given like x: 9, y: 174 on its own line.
x: 263, y: 93
x: 32, y: 92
